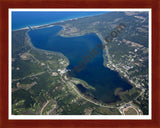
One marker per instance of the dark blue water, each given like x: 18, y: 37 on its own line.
x: 81, y: 88
x: 26, y: 18
x: 95, y: 74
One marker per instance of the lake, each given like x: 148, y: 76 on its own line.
x: 21, y: 19
x: 104, y: 80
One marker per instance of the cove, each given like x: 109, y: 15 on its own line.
x: 104, y: 80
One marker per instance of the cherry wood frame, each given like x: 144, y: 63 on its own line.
x: 6, y: 4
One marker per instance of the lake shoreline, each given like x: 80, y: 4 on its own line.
x: 79, y: 81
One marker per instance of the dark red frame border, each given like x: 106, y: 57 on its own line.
x: 6, y: 4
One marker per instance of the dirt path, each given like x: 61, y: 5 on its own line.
x: 44, y: 107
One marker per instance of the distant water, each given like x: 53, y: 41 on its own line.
x: 23, y: 19
x: 103, y: 79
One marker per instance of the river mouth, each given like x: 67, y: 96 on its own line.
x: 104, y: 80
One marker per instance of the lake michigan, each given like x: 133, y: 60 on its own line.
x: 21, y: 19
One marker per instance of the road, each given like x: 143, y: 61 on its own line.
x: 44, y: 106
x: 32, y: 75
x: 89, y: 100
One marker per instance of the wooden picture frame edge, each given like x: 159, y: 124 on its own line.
x: 5, y: 5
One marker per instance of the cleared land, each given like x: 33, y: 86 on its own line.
x: 130, y: 111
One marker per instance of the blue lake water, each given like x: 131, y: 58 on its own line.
x: 104, y: 80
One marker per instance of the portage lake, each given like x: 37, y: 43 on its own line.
x: 104, y: 80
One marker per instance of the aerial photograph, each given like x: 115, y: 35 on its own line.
x: 69, y: 62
